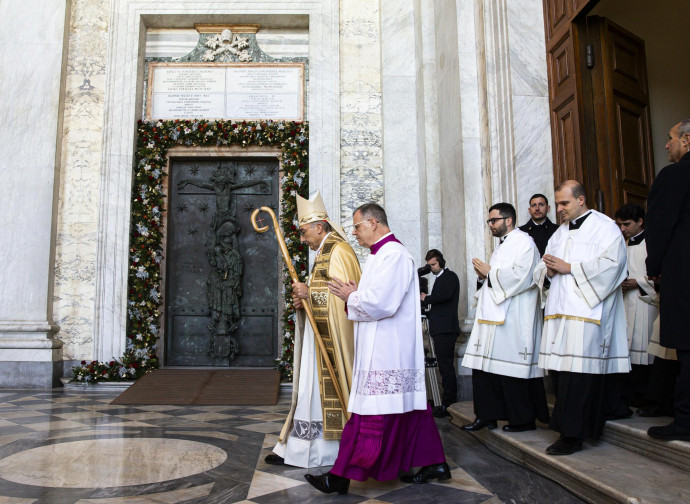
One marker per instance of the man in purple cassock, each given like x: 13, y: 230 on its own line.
x: 391, y: 428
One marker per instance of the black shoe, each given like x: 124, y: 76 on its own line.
x: 274, y: 459
x: 565, y: 446
x: 441, y: 412
x: 328, y: 483
x: 670, y: 432
x: 653, y: 411
x: 427, y: 473
x: 520, y: 427
x: 479, y: 424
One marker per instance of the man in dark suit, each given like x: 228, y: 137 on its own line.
x: 444, y: 326
x: 668, y: 244
x: 539, y: 227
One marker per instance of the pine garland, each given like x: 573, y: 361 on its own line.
x: 146, y: 235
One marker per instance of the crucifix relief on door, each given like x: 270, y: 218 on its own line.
x: 222, y: 279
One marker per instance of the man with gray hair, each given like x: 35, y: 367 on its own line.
x: 668, y: 242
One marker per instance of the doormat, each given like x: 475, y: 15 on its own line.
x: 225, y: 387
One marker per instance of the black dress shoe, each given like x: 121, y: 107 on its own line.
x: 653, y: 411
x: 427, y: 473
x: 328, y: 483
x: 441, y: 412
x: 565, y: 446
x: 479, y: 424
x: 520, y: 427
x: 670, y: 432
x: 274, y: 459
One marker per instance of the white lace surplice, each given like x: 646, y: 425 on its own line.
x: 388, y: 372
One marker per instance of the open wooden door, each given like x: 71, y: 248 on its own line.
x: 621, y: 113
x: 565, y: 98
x: 600, y: 119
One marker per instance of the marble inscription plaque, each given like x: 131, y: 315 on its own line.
x: 251, y: 91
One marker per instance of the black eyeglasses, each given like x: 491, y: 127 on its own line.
x: 494, y: 219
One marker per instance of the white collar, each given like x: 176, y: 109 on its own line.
x: 387, y: 234
x: 318, y: 251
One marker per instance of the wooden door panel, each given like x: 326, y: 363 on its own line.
x: 564, y: 99
x: 561, y: 65
x: 632, y: 149
x: 627, y: 59
x: 557, y: 15
x: 566, y: 143
x: 626, y: 101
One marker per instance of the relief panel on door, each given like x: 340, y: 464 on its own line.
x: 222, y: 278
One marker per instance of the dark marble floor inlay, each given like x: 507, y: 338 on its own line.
x: 73, y: 447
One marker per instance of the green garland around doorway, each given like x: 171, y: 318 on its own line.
x: 146, y: 235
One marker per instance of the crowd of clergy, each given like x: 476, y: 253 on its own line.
x: 580, y: 303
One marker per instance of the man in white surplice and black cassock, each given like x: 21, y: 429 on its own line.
x: 503, y: 348
x: 391, y: 428
x: 585, y: 337
x: 641, y: 303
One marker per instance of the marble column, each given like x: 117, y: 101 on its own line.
x: 404, y: 162
x: 32, y: 37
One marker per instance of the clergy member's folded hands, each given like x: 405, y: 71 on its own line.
x: 556, y: 265
x: 481, y: 268
x: 342, y: 289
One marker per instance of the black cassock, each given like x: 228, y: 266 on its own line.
x: 667, y: 227
x: 540, y: 233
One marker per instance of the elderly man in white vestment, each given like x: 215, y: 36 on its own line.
x: 584, y: 337
x: 391, y: 428
x: 503, y: 348
x: 315, y: 422
x: 641, y: 302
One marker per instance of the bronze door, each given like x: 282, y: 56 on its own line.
x: 222, y: 278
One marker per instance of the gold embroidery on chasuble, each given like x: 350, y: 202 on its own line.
x: 333, y: 418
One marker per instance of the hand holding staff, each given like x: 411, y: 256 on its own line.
x: 307, y: 308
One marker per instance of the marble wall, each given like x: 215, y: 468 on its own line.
x: 436, y: 108
x: 360, y: 96
x: 123, y: 99
x: 31, y: 86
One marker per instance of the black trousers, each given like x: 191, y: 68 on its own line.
x: 444, y: 345
x: 518, y: 400
x: 585, y: 402
x: 661, y: 387
x: 682, y: 405
x: 635, y: 384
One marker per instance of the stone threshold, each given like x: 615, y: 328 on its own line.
x: 98, y: 387
x: 602, y: 472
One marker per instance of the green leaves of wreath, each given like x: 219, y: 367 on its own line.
x: 146, y: 235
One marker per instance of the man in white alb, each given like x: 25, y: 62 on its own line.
x: 584, y: 337
x: 641, y: 302
x: 503, y: 348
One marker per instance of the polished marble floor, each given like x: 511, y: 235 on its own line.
x: 73, y: 447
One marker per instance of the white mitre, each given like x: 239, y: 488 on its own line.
x: 313, y: 210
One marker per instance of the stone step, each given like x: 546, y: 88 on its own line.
x: 631, y: 434
x: 603, y: 472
